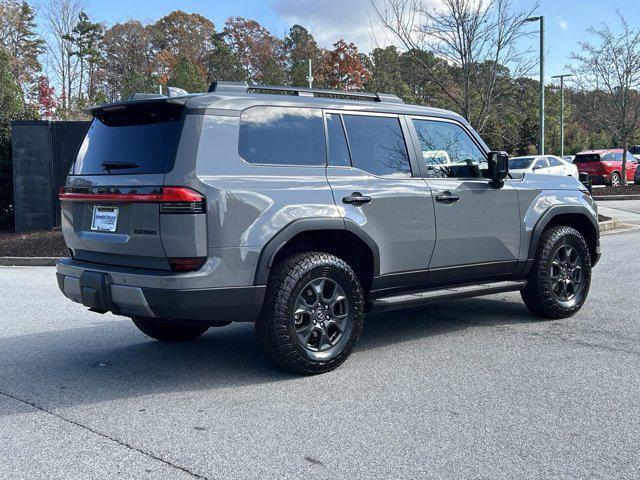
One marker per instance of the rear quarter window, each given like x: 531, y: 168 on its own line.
x: 135, y: 140
x: 282, y: 136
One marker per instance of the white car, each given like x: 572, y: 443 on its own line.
x: 546, y: 164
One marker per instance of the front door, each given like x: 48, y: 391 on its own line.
x: 477, y: 225
x: 371, y: 176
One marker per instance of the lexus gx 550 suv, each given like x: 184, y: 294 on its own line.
x: 300, y: 210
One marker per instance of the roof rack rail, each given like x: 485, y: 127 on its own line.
x: 244, y: 87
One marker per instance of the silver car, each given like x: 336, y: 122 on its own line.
x: 300, y: 210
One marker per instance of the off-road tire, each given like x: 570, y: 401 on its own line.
x: 538, y: 295
x: 275, y: 329
x: 168, y: 332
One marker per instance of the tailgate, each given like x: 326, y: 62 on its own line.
x: 115, y: 205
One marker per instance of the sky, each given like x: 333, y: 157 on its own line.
x: 566, y: 21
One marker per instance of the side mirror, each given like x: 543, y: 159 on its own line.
x: 498, y: 168
x: 537, y: 167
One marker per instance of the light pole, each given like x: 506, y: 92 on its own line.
x: 310, y: 76
x: 562, y: 77
x: 541, y: 20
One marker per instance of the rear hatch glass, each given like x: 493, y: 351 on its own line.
x: 132, y: 140
x: 586, y: 158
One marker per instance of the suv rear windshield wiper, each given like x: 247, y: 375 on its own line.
x: 108, y: 166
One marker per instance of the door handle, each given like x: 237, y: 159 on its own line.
x: 357, y: 199
x: 447, y: 197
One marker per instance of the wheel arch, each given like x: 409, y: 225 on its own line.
x: 577, y: 217
x: 340, y: 236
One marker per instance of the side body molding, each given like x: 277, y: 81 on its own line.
x: 269, y: 251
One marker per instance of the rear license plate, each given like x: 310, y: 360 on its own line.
x: 105, y: 219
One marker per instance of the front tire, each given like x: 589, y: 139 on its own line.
x: 559, y: 280
x: 313, y: 313
x: 168, y: 332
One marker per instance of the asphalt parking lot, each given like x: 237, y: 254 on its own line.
x: 472, y: 389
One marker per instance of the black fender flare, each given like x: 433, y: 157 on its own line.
x: 280, y: 239
x: 553, y: 212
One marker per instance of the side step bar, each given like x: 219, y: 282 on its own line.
x: 417, y: 299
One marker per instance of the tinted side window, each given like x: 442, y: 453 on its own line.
x: 282, y: 136
x: 338, y: 148
x: 617, y: 156
x: 448, y: 151
x: 377, y: 145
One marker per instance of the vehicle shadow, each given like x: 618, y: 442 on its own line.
x: 112, y: 360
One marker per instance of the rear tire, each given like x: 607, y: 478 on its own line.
x: 559, y: 280
x: 615, y: 180
x: 313, y: 313
x: 168, y: 332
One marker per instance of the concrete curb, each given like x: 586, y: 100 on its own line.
x: 598, y: 198
x: 28, y: 261
x: 610, y: 224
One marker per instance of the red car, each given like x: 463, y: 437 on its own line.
x: 605, y: 166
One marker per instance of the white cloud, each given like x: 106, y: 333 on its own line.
x: 562, y: 23
x: 330, y: 20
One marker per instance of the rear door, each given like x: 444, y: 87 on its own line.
x: 371, y: 163
x: 111, y: 204
x: 478, y: 226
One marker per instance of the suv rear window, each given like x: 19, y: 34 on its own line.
x: 282, y: 136
x: 136, y: 139
x: 591, y: 157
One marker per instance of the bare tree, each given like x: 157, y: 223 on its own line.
x: 608, y: 75
x: 60, y: 17
x: 476, y: 39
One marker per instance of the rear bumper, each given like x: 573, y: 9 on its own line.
x: 96, y: 290
x: 600, y: 179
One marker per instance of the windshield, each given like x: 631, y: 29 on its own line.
x: 520, y: 163
x: 133, y: 140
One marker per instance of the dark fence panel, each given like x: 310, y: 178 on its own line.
x: 42, y: 155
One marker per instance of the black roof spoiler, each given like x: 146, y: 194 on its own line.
x: 135, y: 99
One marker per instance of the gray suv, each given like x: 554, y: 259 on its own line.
x: 300, y: 210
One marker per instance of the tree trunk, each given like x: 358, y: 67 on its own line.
x: 69, y: 79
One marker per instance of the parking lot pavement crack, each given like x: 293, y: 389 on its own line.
x: 104, y: 435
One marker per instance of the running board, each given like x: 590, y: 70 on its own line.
x: 417, y: 299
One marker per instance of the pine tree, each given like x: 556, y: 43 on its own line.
x: 223, y: 63
x: 187, y: 75
x: 21, y: 43
x: 85, y: 38
x: 11, y: 108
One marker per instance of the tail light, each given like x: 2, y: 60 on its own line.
x: 190, y: 264
x: 171, y: 199
x: 181, y: 200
